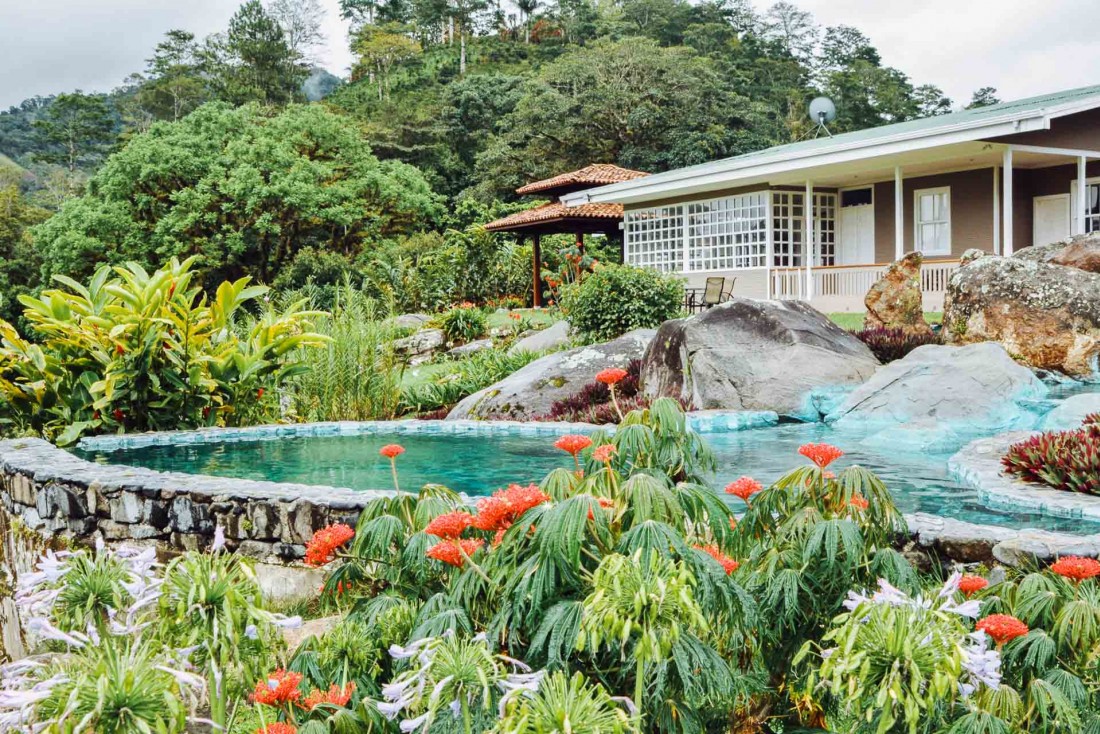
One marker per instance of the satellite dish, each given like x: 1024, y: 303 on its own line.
x: 822, y: 110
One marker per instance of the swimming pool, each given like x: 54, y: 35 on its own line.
x: 479, y: 463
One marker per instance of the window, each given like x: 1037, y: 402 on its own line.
x: 654, y: 238
x: 1092, y: 205
x: 857, y: 197
x: 787, y: 222
x: 932, y: 221
x: 729, y: 233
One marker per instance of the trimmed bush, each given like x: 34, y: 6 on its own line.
x: 891, y: 344
x: 1066, y: 460
x: 618, y: 298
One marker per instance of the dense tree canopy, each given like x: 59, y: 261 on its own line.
x: 243, y: 188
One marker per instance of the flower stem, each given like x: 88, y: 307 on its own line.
x: 467, y: 725
x: 639, y: 688
x: 615, y: 401
x: 393, y: 469
x: 477, y: 568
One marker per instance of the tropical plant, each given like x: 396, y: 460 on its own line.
x: 461, y: 377
x: 1066, y: 460
x: 564, y: 704
x: 463, y: 323
x: 889, y: 344
x: 137, y: 351
x: 357, y: 374
x: 617, y: 298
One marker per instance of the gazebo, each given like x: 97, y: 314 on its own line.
x: 556, y: 218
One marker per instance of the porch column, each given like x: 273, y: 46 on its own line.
x: 1082, y: 198
x: 899, y: 215
x: 1007, y: 249
x: 809, y: 227
x: 996, y: 210
x: 536, y: 267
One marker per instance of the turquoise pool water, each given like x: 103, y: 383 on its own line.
x: 479, y: 464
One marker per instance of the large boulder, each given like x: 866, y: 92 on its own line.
x: 1071, y: 412
x: 1081, y: 252
x: 554, y: 336
x: 1046, y: 315
x: 754, y: 355
x: 530, y: 391
x: 944, y: 394
x: 421, y: 345
x: 894, y: 301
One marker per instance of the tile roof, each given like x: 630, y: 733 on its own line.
x: 597, y: 174
x: 556, y: 210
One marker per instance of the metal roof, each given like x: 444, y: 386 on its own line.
x: 975, y: 124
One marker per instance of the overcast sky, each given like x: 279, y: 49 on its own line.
x: 1022, y: 47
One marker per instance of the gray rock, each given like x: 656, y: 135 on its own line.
x: 422, y: 344
x: 961, y: 389
x: 530, y: 391
x: 754, y: 355
x: 411, y: 320
x: 554, y: 336
x: 1071, y: 412
x: 471, y: 348
x: 127, y: 508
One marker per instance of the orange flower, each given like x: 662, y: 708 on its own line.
x: 821, y: 454
x: 611, y: 375
x: 744, y: 487
x: 715, y: 552
x: 1002, y: 627
x: 859, y: 502
x: 279, y: 727
x: 733, y: 523
x: 451, y: 551
x: 392, y: 451
x: 970, y: 585
x: 1076, y: 568
x: 260, y: 394
x: 334, y: 696
x: 449, y: 526
x: 603, y: 502
x: 603, y: 453
x: 573, y: 443
x: 278, y: 688
x: 501, y: 510
x: 322, y: 547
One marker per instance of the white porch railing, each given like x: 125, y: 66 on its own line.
x: 843, y: 287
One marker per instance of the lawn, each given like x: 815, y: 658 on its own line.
x: 854, y: 321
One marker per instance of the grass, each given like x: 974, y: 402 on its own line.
x: 854, y: 321
x: 500, y: 319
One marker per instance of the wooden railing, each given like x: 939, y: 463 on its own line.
x: 843, y: 287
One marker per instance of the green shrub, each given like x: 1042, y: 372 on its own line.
x: 468, y: 375
x: 463, y: 323
x: 139, y: 351
x: 618, y: 298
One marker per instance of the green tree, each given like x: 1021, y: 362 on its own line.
x: 175, y: 85
x: 245, y: 189
x: 931, y: 100
x: 983, y: 97
x: 379, y: 49
x: 20, y: 262
x: 77, y: 129
x: 252, y: 62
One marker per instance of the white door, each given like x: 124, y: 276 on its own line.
x: 857, y: 235
x: 1051, y: 219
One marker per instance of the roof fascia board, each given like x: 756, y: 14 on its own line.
x: 719, y: 172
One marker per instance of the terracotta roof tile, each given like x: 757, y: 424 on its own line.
x: 556, y: 210
x: 597, y: 174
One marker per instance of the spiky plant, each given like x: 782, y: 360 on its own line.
x: 1065, y: 460
x: 565, y: 704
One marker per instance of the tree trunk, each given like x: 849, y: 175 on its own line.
x: 462, y: 51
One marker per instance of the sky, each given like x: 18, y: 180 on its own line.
x: 1021, y: 47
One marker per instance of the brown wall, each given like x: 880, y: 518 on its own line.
x: 971, y: 211
x: 1081, y: 130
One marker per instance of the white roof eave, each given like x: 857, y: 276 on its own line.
x: 729, y: 171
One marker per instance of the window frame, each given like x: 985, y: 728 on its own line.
x: 917, y: 222
x: 1090, y: 219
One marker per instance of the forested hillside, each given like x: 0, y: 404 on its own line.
x: 215, y: 147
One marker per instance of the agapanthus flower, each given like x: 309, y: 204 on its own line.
x: 450, y: 525
x: 325, y: 542
x: 498, y: 512
x: 604, y: 453
x: 611, y: 375
x: 1002, y: 627
x: 392, y: 451
x: 744, y: 487
x: 859, y: 502
x: 281, y: 687
x: 716, y: 553
x: 821, y: 454
x: 334, y: 696
x: 454, y: 552
x: 1076, y: 568
x: 970, y: 585
x: 981, y: 663
x: 573, y: 443
x: 278, y: 727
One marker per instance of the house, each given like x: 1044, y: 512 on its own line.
x: 997, y: 178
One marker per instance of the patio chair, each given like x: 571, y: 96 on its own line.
x: 716, y: 292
